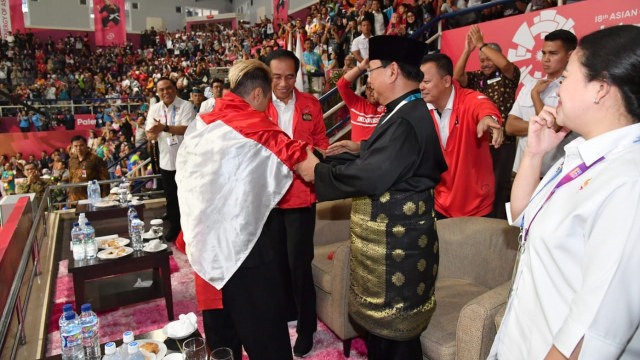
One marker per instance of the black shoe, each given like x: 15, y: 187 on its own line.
x: 303, y: 346
x: 165, y: 216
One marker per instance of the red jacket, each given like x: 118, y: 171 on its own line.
x: 364, y: 115
x: 308, y: 126
x: 468, y: 187
x: 207, y: 296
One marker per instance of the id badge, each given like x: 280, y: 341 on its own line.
x: 172, y: 140
x: 84, y: 173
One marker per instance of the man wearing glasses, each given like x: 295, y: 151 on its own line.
x: 391, y: 177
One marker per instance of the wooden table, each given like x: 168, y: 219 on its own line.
x: 102, y: 213
x: 108, y: 284
x: 173, y: 346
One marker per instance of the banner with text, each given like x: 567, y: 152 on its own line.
x: 11, y: 17
x: 110, y: 24
x: 521, y: 37
x: 85, y: 121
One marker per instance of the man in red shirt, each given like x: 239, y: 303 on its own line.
x: 364, y: 113
x: 463, y: 118
x: 300, y: 116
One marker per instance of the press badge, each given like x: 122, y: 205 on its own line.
x: 172, y: 140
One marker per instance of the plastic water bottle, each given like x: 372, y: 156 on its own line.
x: 94, y: 197
x: 127, y: 337
x: 77, y: 242
x: 134, y: 351
x: 137, y: 228
x: 90, y: 247
x: 132, y: 211
x: 71, y: 336
x: 111, y: 352
x: 82, y: 220
x: 90, y: 338
x: 65, y: 309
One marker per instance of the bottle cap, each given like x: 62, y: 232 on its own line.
x: 69, y: 315
x: 67, y: 308
x: 86, y: 307
x: 136, y: 216
x: 110, y: 348
x: 127, y: 337
x: 133, y: 347
x: 130, y: 206
x: 75, y: 224
x: 87, y: 223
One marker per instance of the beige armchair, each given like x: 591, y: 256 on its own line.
x: 476, y: 263
x: 331, y: 276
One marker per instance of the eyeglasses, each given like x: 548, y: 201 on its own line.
x: 371, y: 70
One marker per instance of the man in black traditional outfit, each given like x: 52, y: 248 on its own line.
x: 391, y: 177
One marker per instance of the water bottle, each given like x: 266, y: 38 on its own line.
x: 137, y: 228
x: 90, y: 338
x: 111, y: 352
x: 65, y: 309
x: 90, y: 246
x: 134, y: 351
x: 71, y: 337
x: 127, y: 337
x: 95, y: 193
x: 82, y: 220
x: 77, y: 242
x: 132, y: 211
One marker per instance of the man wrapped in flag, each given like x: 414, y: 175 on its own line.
x: 232, y: 169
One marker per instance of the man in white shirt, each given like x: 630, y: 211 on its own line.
x: 378, y: 19
x: 360, y: 46
x: 166, y: 123
x: 557, y: 48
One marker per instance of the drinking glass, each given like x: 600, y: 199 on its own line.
x: 195, y: 349
x: 222, y: 354
x: 122, y: 196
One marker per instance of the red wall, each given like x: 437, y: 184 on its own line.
x: 32, y: 143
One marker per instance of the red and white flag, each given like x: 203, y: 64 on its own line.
x: 233, y: 167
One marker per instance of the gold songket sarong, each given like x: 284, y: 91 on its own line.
x: 394, y: 263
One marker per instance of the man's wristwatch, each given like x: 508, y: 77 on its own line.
x: 166, y: 128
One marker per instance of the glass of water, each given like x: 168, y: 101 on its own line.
x: 222, y: 354
x: 195, y: 349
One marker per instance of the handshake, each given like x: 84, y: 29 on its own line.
x: 306, y: 168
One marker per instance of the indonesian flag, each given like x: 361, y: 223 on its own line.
x: 301, y: 79
x: 232, y: 168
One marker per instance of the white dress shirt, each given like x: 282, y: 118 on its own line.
x: 443, y: 119
x: 285, y: 113
x: 578, y: 273
x: 179, y: 113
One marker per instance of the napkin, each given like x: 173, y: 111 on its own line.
x: 154, y: 245
x: 182, y: 327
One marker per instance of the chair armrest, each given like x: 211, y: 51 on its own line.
x: 476, y: 325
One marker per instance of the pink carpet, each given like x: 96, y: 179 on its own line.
x: 152, y: 315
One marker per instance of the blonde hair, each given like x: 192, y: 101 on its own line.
x: 238, y: 70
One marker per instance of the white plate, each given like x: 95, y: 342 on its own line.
x: 104, y: 244
x: 174, y: 356
x: 148, y: 355
x: 150, y: 236
x: 183, y: 336
x: 162, y: 247
x: 109, y: 253
x: 162, y: 348
x: 106, y: 203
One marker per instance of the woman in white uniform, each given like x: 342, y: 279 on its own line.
x: 576, y: 293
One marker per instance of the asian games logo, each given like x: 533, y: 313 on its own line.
x: 529, y: 40
x: 111, y: 36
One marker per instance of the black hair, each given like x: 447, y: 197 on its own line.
x: 169, y: 80
x: 78, y: 137
x: 610, y: 55
x: 442, y: 61
x: 410, y: 72
x: 283, y: 54
x: 217, y: 80
x: 568, y: 39
x: 256, y: 77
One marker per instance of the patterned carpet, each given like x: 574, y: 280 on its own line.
x: 152, y: 315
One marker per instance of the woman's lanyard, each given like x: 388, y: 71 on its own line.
x: 406, y: 100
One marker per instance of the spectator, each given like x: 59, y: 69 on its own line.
x: 360, y: 46
x: 33, y: 183
x: 69, y: 120
x: 23, y: 121
x: 8, y: 180
x: 84, y: 166
x: 377, y: 18
x: 45, y: 161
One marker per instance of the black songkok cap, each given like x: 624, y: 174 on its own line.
x: 396, y: 48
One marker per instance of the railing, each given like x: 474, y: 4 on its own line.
x: 77, y: 106
x: 32, y: 250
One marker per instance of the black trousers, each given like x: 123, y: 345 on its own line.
x: 220, y: 332
x: 295, y: 252
x: 253, y: 299
x: 384, y: 349
x: 171, y: 193
x: 503, y: 158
